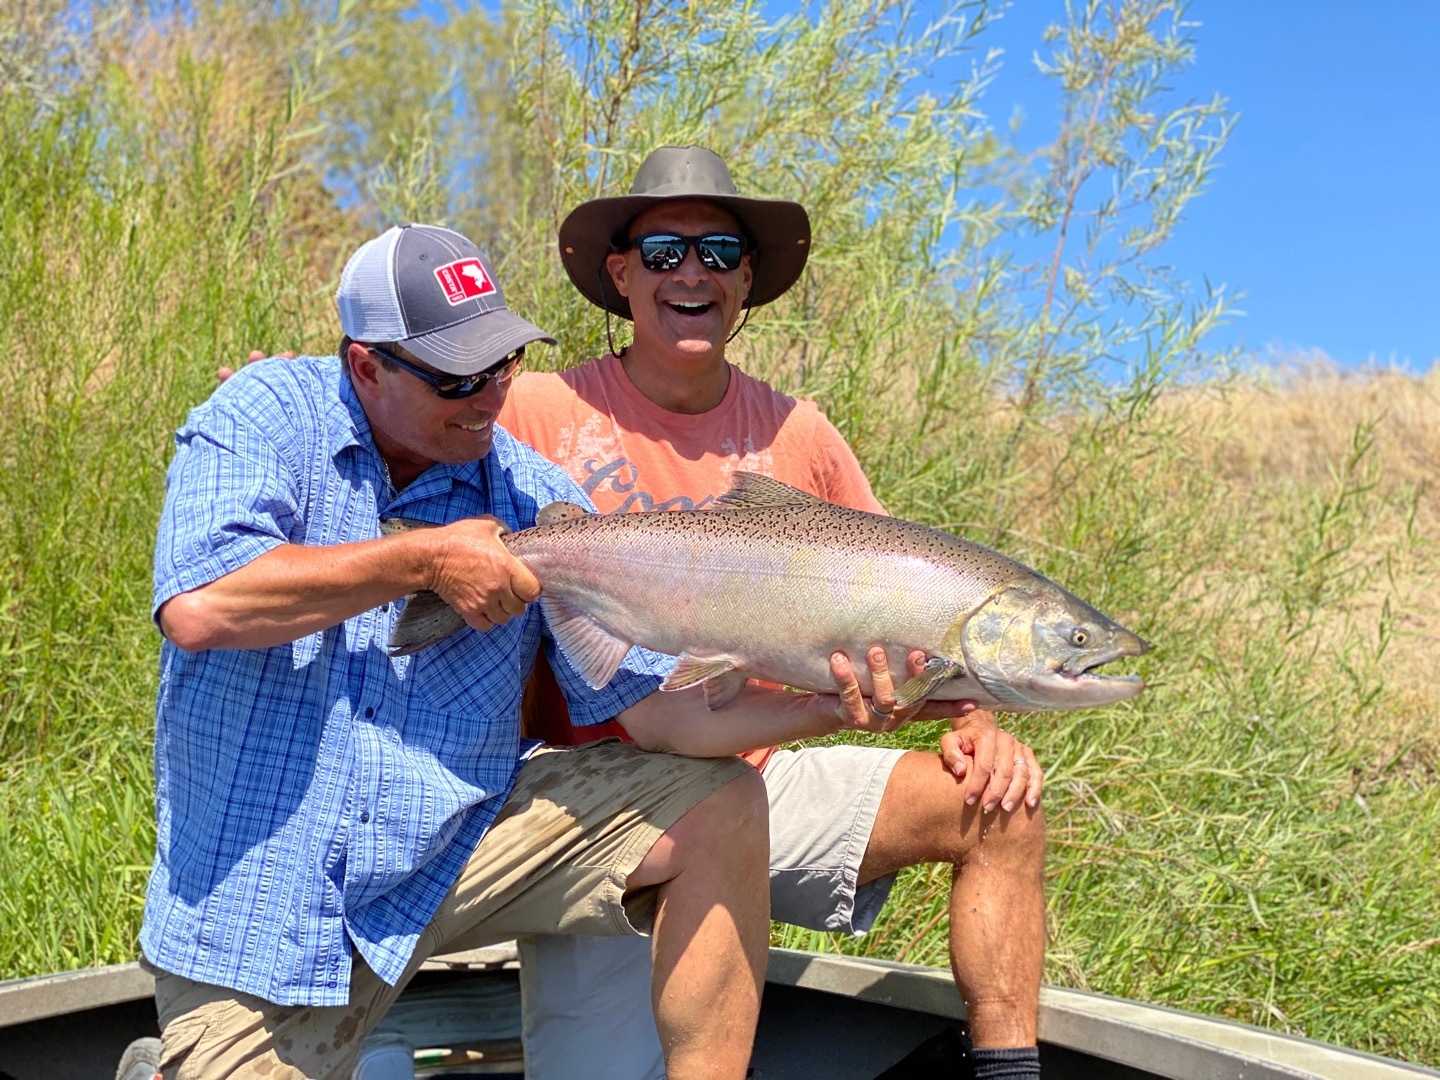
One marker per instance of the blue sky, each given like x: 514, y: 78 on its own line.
x: 1325, y: 211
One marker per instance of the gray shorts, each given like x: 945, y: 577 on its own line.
x: 823, y: 802
x: 581, y: 993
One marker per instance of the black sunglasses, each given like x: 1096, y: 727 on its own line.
x: 462, y: 386
x: 663, y: 252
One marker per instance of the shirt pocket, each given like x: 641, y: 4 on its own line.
x: 469, y: 672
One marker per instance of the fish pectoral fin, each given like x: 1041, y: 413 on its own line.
x: 692, y: 671
x: 919, y: 687
x: 591, y: 650
x: 560, y: 511
x: 749, y: 490
x: 723, y: 689
x: 426, y: 620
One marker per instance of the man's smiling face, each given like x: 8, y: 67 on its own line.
x: 690, y: 310
x: 414, y: 427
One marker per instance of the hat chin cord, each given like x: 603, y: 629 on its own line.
x: 609, y: 338
x: 736, y: 332
x: 746, y: 318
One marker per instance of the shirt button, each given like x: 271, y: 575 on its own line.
x: 364, y: 817
x: 369, y: 712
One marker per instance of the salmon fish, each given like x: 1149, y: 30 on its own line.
x: 771, y: 581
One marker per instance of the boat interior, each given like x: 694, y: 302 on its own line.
x: 823, y: 1016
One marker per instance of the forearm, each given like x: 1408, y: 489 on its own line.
x: 679, y: 723
x: 294, y: 590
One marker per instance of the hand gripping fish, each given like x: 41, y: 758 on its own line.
x: 771, y: 581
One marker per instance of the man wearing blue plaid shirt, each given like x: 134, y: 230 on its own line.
x: 330, y: 815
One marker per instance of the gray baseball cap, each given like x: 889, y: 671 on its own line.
x: 431, y: 290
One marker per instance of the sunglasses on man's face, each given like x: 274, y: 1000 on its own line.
x: 451, y: 386
x: 663, y: 252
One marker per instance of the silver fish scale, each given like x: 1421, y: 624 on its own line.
x: 821, y: 526
x: 813, y: 577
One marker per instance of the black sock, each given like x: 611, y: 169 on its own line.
x: 1016, y: 1063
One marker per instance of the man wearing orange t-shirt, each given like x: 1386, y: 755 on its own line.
x: 663, y: 424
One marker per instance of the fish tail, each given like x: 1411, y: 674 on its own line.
x: 427, y: 619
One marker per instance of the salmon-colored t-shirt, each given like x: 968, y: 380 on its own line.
x: 627, y: 453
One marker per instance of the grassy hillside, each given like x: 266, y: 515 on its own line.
x: 1255, y: 836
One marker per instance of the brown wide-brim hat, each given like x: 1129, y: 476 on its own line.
x: 778, y: 230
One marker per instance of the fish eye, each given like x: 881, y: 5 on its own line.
x: 1078, y: 636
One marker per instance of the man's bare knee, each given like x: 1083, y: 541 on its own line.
x: 924, y: 818
x: 1017, y: 835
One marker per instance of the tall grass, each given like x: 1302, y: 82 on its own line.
x: 1254, y: 836
x: 144, y: 235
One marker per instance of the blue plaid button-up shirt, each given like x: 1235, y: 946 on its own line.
x: 321, y: 794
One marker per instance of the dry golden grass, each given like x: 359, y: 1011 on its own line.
x: 1266, y: 451
x: 1295, y: 423
x: 1280, y: 438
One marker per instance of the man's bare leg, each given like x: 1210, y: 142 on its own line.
x: 997, y: 903
x: 712, y: 927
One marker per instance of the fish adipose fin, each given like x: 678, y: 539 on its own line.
x: 560, y: 511
x: 427, y: 619
x: 591, y: 649
x: 720, y: 678
x: 937, y: 670
x: 749, y: 490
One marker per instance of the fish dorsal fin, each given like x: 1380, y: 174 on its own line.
x: 591, y: 649
x: 749, y: 490
x: 560, y: 511
x: 720, y: 677
x: 396, y: 525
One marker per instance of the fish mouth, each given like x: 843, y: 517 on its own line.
x: 1090, y: 677
x: 1084, y: 673
x: 1055, y: 688
x: 1085, y: 689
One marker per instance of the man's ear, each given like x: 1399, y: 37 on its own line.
x: 747, y: 271
x: 618, y: 267
x: 364, y: 370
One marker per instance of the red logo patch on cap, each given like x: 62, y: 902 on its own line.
x: 464, y: 279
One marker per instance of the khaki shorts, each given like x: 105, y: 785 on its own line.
x: 577, y: 824
x: 584, y: 992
